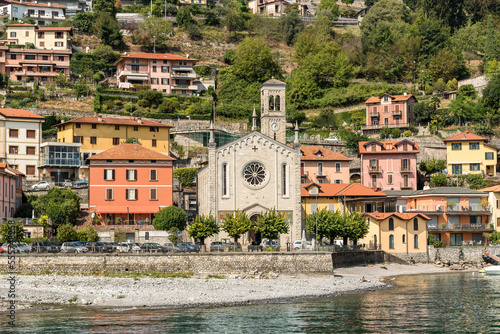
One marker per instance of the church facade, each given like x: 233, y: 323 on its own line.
x: 257, y: 172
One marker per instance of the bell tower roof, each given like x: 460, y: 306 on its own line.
x: 273, y: 82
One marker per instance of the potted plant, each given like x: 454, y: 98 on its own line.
x: 119, y: 220
x: 484, y: 203
x: 443, y: 225
x: 451, y: 204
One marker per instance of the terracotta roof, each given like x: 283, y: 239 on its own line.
x: 32, y: 4
x: 7, y: 168
x: 19, y: 113
x: 394, y: 98
x: 343, y: 189
x: 310, y: 152
x: 402, y: 216
x: 166, y: 56
x: 464, y: 136
x: 363, y: 146
x: 119, y: 121
x: 130, y: 152
x: 20, y: 25
x: 273, y: 81
x: 54, y: 29
x: 494, y: 189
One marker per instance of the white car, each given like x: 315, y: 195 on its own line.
x: 332, y: 139
x: 299, y: 245
x: 129, y: 247
x: 41, y: 185
x: 73, y: 247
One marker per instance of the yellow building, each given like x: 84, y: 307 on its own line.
x: 344, y: 197
x: 395, y: 232
x: 97, y: 134
x: 494, y: 202
x: 49, y: 38
x: 468, y: 153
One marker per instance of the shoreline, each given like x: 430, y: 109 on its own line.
x: 56, y: 292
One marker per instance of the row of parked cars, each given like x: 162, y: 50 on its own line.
x: 66, y: 184
x: 100, y: 247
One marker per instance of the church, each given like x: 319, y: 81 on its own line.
x: 257, y: 172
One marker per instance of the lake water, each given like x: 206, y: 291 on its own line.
x: 450, y: 303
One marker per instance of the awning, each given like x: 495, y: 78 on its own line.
x: 125, y: 85
x: 138, y: 78
x: 123, y: 209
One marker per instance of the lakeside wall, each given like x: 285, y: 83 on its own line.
x: 225, y: 263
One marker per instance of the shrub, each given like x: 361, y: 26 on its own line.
x: 186, y: 175
x: 407, y: 133
x: 396, y: 133
x: 194, y: 32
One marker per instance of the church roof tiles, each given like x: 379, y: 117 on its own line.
x: 312, y: 152
x: 342, y: 189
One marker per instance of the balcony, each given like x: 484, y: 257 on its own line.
x: 45, y: 16
x: 134, y: 76
x: 320, y: 173
x: 406, y: 185
x: 406, y: 169
x: 374, y: 114
x: 473, y: 209
x: 183, y: 75
x: 185, y: 87
x: 445, y: 227
x: 304, y: 173
x: 375, y: 169
x: 380, y: 126
x: 60, y: 162
x: 397, y: 113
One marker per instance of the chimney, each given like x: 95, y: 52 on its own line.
x: 405, y: 94
x: 139, y: 120
x: 62, y: 120
x: 49, y: 4
x: 99, y: 118
x: 467, y: 131
x: 187, y: 56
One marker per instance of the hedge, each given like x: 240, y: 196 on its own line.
x: 186, y: 175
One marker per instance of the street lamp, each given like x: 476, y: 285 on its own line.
x: 317, y: 213
x: 154, y: 44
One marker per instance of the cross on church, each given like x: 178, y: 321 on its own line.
x: 254, y: 148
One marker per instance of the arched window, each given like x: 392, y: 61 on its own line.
x: 225, y: 191
x: 391, y: 224
x: 404, y: 237
x: 271, y: 102
x: 415, y: 241
x: 391, y: 241
x: 284, y: 179
x: 415, y: 224
x: 277, y: 103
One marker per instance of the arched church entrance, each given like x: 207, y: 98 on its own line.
x: 254, y: 237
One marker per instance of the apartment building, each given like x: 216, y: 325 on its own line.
x: 321, y: 165
x: 458, y: 216
x: 274, y: 8
x: 98, y: 134
x: 10, y: 190
x: 21, y: 136
x: 73, y: 7
x: 61, y: 161
x: 48, y: 38
x: 389, y: 165
x: 42, y: 13
x: 199, y: 3
x: 467, y: 153
x: 392, y: 111
x: 166, y: 73
x: 129, y: 183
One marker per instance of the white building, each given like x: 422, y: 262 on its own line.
x: 21, y: 136
x: 42, y: 13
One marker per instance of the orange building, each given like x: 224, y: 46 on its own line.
x: 129, y: 184
x: 458, y: 216
x: 320, y: 165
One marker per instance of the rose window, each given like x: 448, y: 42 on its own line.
x: 254, y: 173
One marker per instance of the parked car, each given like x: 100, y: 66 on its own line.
x: 3, y: 247
x: 190, y: 247
x: 332, y: 139
x: 73, y: 247
x: 41, y: 185
x: 231, y: 247
x: 43, y: 247
x: 81, y: 183
x: 299, y: 245
x: 152, y: 247
x: 255, y: 247
x: 170, y: 247
x: 100, y: 247
x: 22, y: 247
x: 129, y: 247
x: 274, y: 244
x: 216, y: 246
x: 67, y: 183
x: 181, y: 248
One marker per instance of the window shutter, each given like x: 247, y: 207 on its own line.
x: 126, y: 194
x: 135, y: 174
x: 113, y: 177
x: 136, y: 194
x: 105, y: 174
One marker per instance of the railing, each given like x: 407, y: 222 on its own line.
x: 320, y: 173
x: 379, y: 126
x: 460, y: 227
x: 396, y: 112
x: 470, y: 209
x: 188, y: 87
x: 374, y: 114
x: 117, y: 222
x: 372, y: 169
x: 184, y: 75
x: 406, y: 169
x: 404, y: 185
x: 61, y: 162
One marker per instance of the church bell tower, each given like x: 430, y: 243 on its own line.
x: 273, y: 109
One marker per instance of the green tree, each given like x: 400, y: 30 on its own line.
x: 271, y: 224
x: 385, y: 132
x: 291, y: 24
x: 108, y: 30
x: 84, y: 22
x: 104, y: 6
x: 62, y: 206
x: 152, y: 97
x: 104, y: 57
x: 330, y: 6
x: 484, y: 129
x: 235, y: 224
x: 66, y: 233
x: 439, y: 180
x: 491, y: 95
x: 11, y: 231
x: 355, y: 227
x: 203, y: 226
x: 170, y: 217
x: 348, y: 2
x: 450, y: 12
x: 432, y: 166
x: 351, y: 139
x: 184, y: 18
x: 396, y: 132
x: 477, y: 181
x: 234, y: 19
x: 186, y: 175
x: 253, y: 61
x: 445, y: 64
x: 87, y: 234
x: 328, y: 224
x: 491, y: 46
x: 440, y: 86
x: 120, y: 235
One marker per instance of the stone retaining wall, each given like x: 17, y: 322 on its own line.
x: 349, y: 259
x: 455, y: 255
x: 227, y: 263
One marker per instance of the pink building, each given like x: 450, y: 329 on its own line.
x: 320, y: 165
x: 392, y: 111
x: 390, y: 165
x: 166, y: 73
x: 10, y: 181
